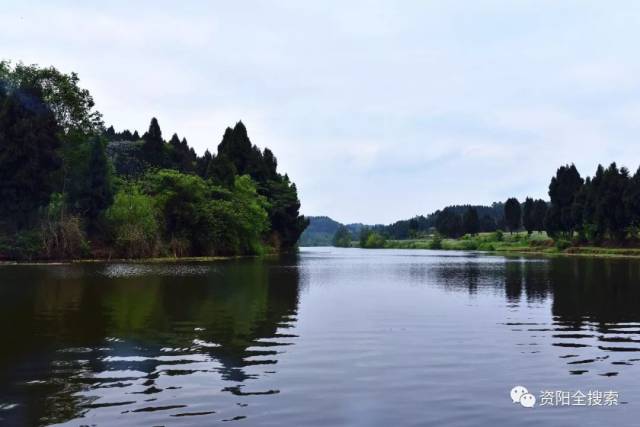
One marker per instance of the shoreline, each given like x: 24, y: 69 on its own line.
x: 543, y: 251
x: 132, y: 260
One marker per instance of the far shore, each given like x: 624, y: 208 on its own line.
x: 517, y: 243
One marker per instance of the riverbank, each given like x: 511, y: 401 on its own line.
x: 154, y: 260
x: 517, y: 243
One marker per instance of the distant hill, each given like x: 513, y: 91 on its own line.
x: 322, y: 228
x: 319, y: 232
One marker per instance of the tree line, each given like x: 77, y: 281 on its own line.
x: 601, y: 209
x: 69, y: 187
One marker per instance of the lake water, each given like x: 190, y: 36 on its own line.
x: 327, y: 337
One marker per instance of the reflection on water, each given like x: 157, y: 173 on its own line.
x: 130, y: 336
x: 340, y: 337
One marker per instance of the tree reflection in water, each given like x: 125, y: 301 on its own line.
x: 70, y: 333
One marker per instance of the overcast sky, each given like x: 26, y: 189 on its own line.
x: 377, y: 110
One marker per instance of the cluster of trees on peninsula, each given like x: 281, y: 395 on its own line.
x: 70, y: 188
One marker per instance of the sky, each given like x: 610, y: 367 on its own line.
x: 378, y: 111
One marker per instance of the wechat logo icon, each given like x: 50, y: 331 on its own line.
x: 521, y: 395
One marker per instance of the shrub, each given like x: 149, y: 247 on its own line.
x: 62, y: 235
x: 436, y: 242
x: 469, y: 245
x: 498, y: 236
x: 486, y: 247
x: 64, y: 238
x: 374, y: 240
x: 24, y: 245
x: 562, y: 244
x: 132, y: 223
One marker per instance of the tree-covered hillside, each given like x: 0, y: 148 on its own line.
x: 71, y: 188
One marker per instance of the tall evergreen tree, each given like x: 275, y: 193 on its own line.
x: 632, y: 199
x: 512, y: 214
x: 99, y: 194
x: 271, y: 163
x: 528, y: 215
x: 237, y: 147
x: 562, y: 190
x: 153, y: 147
x: 449, y: 223
x: 28, y: 154
x: 470, y: 221
x: 615, y: 185
x: 110, y: 133
x: 539, y: 213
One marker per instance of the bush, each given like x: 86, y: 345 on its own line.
x: 132, y: 223
x: 469, y: 245
x: 24, y: 245
x: 562, y: 244
x: 64, y: 238
x: 62, y: 235
x: 374, y: 240
x: 485, y: 246
x: 498, y: 236
x: 436, y: 243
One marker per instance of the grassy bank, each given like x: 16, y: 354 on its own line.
x: 538, y: 243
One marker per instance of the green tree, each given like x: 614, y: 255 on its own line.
x: 512, y: 214
x: 132, y: 222
x: 612, y: 204
x: 470, y: 221
x: 72, y: 106
x: 528, y: 215
x: 562, y: 191
x: 153, y: 149
x: 29, y: 156
x: 221, y: 170
x: 284, y: 212
x: 342, y: 237
x: 449, y: 223
x: 632, y: 199
x: 99, y: 184
x: 539, y: 213
x: 237, y: 147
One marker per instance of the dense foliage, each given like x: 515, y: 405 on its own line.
x: 342, y: 238
x: 605, y: 207
x: 71, y: 188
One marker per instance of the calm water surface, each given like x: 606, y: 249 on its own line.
x: 330, y: 337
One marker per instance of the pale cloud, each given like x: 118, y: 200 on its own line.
x: 377, y: 110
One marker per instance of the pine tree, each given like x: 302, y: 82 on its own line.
x: 562, y: 190
x: 271, y: 163
x: 153, y: 147
x: 470, y: 221
x: 540, y: 211
x: 512, y: 214
x: 632, y: 199
x: 528, y: 215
